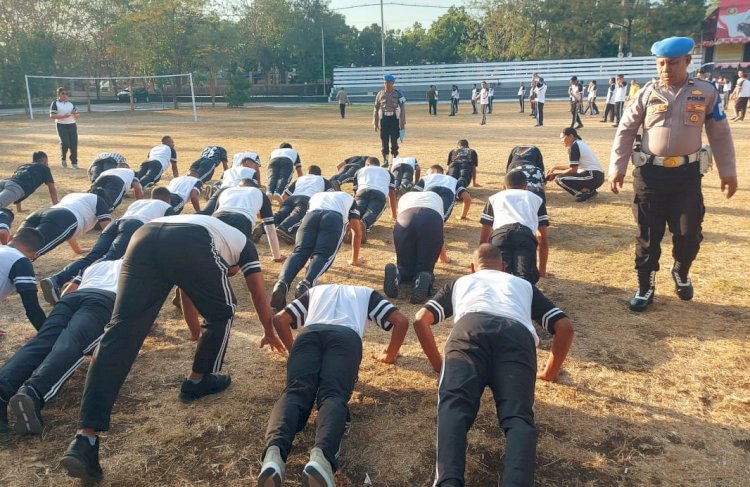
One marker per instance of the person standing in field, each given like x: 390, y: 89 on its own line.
x: 343, y: 99
x: 389, y: 116
x: 65, y: 115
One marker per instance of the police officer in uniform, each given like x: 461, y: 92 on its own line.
x: 667, y: 179
x: 389, y: 116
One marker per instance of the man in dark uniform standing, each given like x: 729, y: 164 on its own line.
x: 389, y: 116
x: 668, y: 173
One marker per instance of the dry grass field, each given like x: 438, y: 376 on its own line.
x: 659, y: 398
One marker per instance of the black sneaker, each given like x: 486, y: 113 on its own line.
x: 585, y: 196
x: 391, y: 280
x: 335, y: 185
x: 27, y: 408
x: 81, y: 459
x: 646, y: 290
x: 258, y: 232
x: 683, y: 288
x: 4, y: 428
x: 302, y: 287
x: 210, y: 384
x: 278, y: 296
x: 421, y: 290
x: 285, y: 236
x: 50, y: 290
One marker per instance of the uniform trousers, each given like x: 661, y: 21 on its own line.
x: 574, y: 183
x: 113, y: 187
x: 618, y: 110
x: 149, y: 173
x: 99, y: 166
x: 485, y: 350
x: 540, y: 113
x: 68, y: 134
x: 111, y: 245
x: 290, y: 215
x: 236, y: 220
x: 574, y: 110
x: 432, y: 106
x: 346, y: 175
x: 176, y: 202
x: 161, y: 255
x: 609, y: 112
x: 71, y: 330
x: 521, y: 100
x: 280, y: 171
x: 56, y: 225
x: 342, y: 109
x: 403, y: 175
x: 204, y: 168
x: 673, y: 197
x: 389, y: 132
x: 318, y: 240
x: 461, y: 171
x: 740, y: 107
x: 10, y: 192
x: 371, y: 204
x: 517, y: 244
x: 322, y: 369
x: 448, y: 197
x: 418, y: 238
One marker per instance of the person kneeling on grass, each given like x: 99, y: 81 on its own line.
x: 584, y: 174
x: 322, y: 369
x: 492, y: 345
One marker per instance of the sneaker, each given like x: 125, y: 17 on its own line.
x: 74, y: 165
x: 258, y: 233
x: 278, y: 296
x: 318, y: 471
x: 210, y: 384
x: 285, y: 236
x: 50, y: 290
x: 683, y: 288
x: 63, y: 163
x: 81, y: 459
x: 27, y: 408
x: 4, y: 417
x: 584, y: 196
x: 421, y: 290
x: 391, y: 280
x: 335, y: 185
x: 302, y: 287
x: 208, y: 191
x: 272, y: 470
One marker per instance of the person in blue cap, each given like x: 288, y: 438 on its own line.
x: 389, y: 116
x: 669, y: 164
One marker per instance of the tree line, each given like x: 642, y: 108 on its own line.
x: 279, y: 41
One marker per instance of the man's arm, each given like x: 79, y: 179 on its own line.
x: 175, y: 171
x: 34, y: 312
x: 282, y: 322
x: 392, y: 201
x: 75, y: 247
x: 195, y: 200
x: 622, y: 146
x: 137, y: 190
x: 417, y: 173
x: 257, y: 289
x: 52, y: 193
x: 422, y: 327
x: 356, y: 230
x: 400, y: 327
x: 484, y: 236
x: 273, y: 243
x: 561, y: 341
x: 466, y: 198
x: 23, y: 278
x: 543, y: 239
x: 722, y: 145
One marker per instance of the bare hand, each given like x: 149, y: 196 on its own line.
x: 281, y: 258
x: 615, y: 183
x: 357, y: 262
x: 402, y: 126
x: 84, y: 251
x: 730, y: 184
x: 274, y: 342
x: 545, y: 377
x: 384, y: 359
x: 376, y: 128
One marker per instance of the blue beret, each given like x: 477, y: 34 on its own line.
x: 673, y: 47
x: 389, y: 77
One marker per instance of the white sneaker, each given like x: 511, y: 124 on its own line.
x: 272, y: 471
x: 318, y: 471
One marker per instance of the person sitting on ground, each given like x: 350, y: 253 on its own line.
x: 37, y: 371
x: 323, y: 363
x: 73, y: 216
x: 209, y: 160
x: 347, y: 169
x: 511, y: 220
x: 492, y: 344
x: 113, y: 242
x: 282, y: 162
x: 584, y: 174
x: 116, y: 182
x: 184, y: 189
x: 405, y: 171
x: 462, y: 163
x: 372, y: 185
x: 17, y: 272
x: 159, y: 159
x: 6, y: 220
x: 103, y: 162
x: 25, y: 180
x: 296, y: 199
x: 448, y: 188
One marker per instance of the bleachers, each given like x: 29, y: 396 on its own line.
x: 362, y: 84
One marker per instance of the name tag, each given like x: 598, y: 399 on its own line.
x: 692, y: 107
x: 657, y: 108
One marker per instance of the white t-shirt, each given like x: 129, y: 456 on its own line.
x: 245, y: 200
x: 410, y: 161
x: 541, y: 93
x: 521, y: 91
x: 307, y: 185
x: 83, y: 206
x: 421, y: 199
x: 161, y: 153
x: 744, y: 85
x: 621, y: 92
x: 583, y: 155
x: 8, y: 258
x: 127, y: 175
x: 287, y: 153
x: 63, y: 108
x: 337, y: 201
x: 146, y: 210
x: 438, y: 180
x: 484, y: 96
x: 182, y: 186
x: 241, y: 156
x: 727, y: 88
x: 373, y: 177
x: 592, y: 92
x: 512, y: 206
x: 235, y: 174
x: 102, y: 275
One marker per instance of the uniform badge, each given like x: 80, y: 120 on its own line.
x: 696, y: 92
x: 694, y: 117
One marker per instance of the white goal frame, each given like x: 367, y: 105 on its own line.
x: 189, y: 75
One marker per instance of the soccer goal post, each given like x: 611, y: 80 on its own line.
x: 111, y: 93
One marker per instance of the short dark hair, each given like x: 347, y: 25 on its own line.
x: 161, y: 193
x: 515, y: 179
x: 574, y: 78
x: 437, y: 167
x: 31, y: 238
x: 372, y: 161
x: 314, y: 170
x: 571, y: 131
x: 463, y: 143
x: 38, y: 156
x: 60, y: 90
x: 165, y: 139
x: 248, y: 182
x: 285, y: 145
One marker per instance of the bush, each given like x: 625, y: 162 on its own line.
x: 238, y: 91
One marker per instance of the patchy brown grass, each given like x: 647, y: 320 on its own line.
x: 660, y: 398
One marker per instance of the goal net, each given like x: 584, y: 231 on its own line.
x: 113, y: 93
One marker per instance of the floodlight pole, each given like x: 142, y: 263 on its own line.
x: 323, y: 44
x: 192, y: 96
x: 28, y: 95
x: 382, y: 33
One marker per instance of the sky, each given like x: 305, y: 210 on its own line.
x: 396, y: 16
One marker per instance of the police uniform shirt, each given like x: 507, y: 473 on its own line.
x: 373, y: 177
x: 126, y: 175
x: 214, y: 153
x: 673, y: 119
x: 496, y: 293
x: 30, y: 176
x: 419, y: 199
x: 235, y: 174
x: 286, y: 153
x: 63, y: 108
x: 147, y: 210
x: 583, y: 157
x: 463, y: 155
x: 183, y: 186
x: 308, y: 185
x: 230, y: 243
x: 438, y: 180
x: 87, y: 208
x: 336, y: 304
x: 164, y: 154
x: 390, y: 103
x: 513, y: 206
x: 16, y: 272
x: 409, y: 161
x: 338, y: 201
x: 247, y: 201
x: 102, y: 275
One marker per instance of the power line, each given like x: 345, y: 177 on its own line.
x: 391, y: 3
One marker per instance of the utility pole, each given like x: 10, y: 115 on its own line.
x: 323, y: 43
x: 382, y: 33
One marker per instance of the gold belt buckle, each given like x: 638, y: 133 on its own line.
x: 671, y: 162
